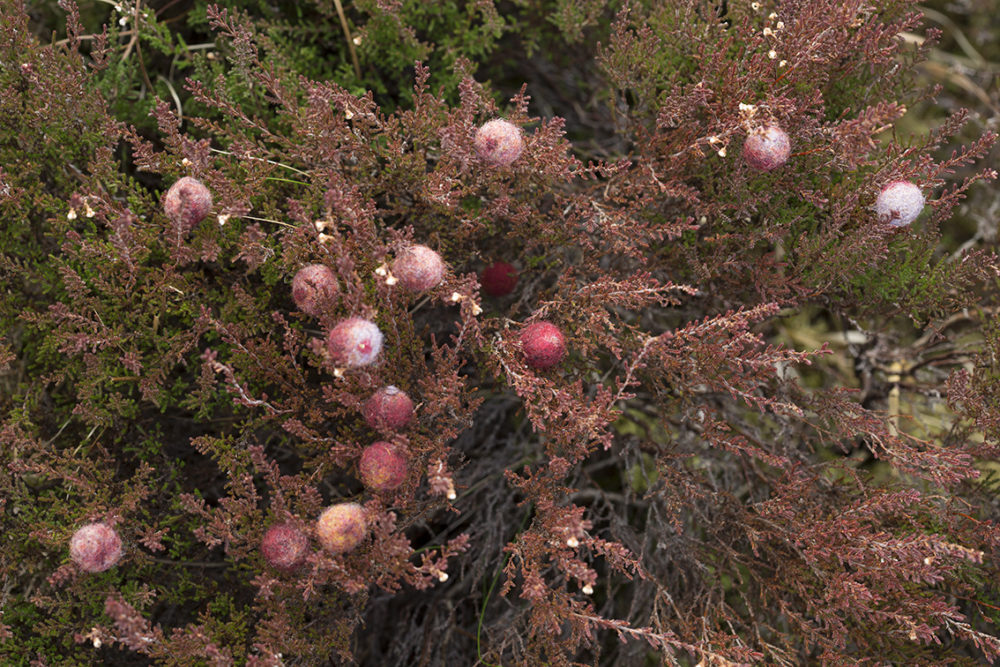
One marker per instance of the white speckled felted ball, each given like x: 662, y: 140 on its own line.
x: 899, y: 203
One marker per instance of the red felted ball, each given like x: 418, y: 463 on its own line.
x: 285, y: 547
x: 498, y: 279
x: 543, y: 344
x: 383, y: 466
x: 388, y: 408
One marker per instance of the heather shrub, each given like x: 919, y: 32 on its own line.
x: 729, y: 411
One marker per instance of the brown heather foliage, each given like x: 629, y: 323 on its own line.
x: 701, y: 479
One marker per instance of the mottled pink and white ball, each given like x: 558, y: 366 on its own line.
x: 899, y: 203
x: 187, y: 202
x: 285, y: 547
x: 95, y: 547
x: 543, y: 345
x: 313, y: 288
x: 388, y: 408
x: 499, y: 143
x: 340, y: 528
x: 354, y: 342
x: 767, y: 148
x: 383, y: 466
x: 418, y: 268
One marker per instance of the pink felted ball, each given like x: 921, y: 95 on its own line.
x: 95, y: 547
x: 187, y: 202
x: 499, y: 143
x: 313, y: 288
x: 767, y: 148
x: 354, y: 342
x: 418, y: 268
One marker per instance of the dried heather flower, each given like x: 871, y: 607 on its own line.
x: 543, y: 345
x: 498, y: 279
x: 341, y: 527
x: 388, y: 408
x: 899, y: 203
x: 187, y: 202
x: 285, y: 547
x: 354, y: 342
x: 95, y: 547
x: 418, y: 268
x: 314, y: 287
x: 383, y: 466
x: 499, y: 142
x: 767, y: 148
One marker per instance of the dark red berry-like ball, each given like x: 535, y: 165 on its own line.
x: 383, y: 466
x: 187, y: 202
x: 543, y: 344
x: 418, y: 268
x: 95, y: 547
x: 498, y: 279
x: 354, y: 342
x: 388, y: 408
x: 313, y: 288
x: 341, y: 527
x: 285, y: 547
x: 499, y: 143
x: 767, y: 148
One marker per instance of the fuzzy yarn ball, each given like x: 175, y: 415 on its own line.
x: 899, y: 203
x: 95, y: 547
x: 383, y: 466
x: 313, y: 287
x: 388, y: 408
x: 543, y: 345
x: 340, y: 528
x: 499, y: 143
x: 767, y: 148
x: 418, y: 268
x: 354, y: 342
x: 498, y: 279
x: 285, y: 547
x: 187, y: 202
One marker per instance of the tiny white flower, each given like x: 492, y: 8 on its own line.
x: 772, y: 54
x: 71, y: 215
x: 223, y: 219
x: 587, y: 589
x: 768, y: 32
x: 442, y: 577
x: 572, y: 543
